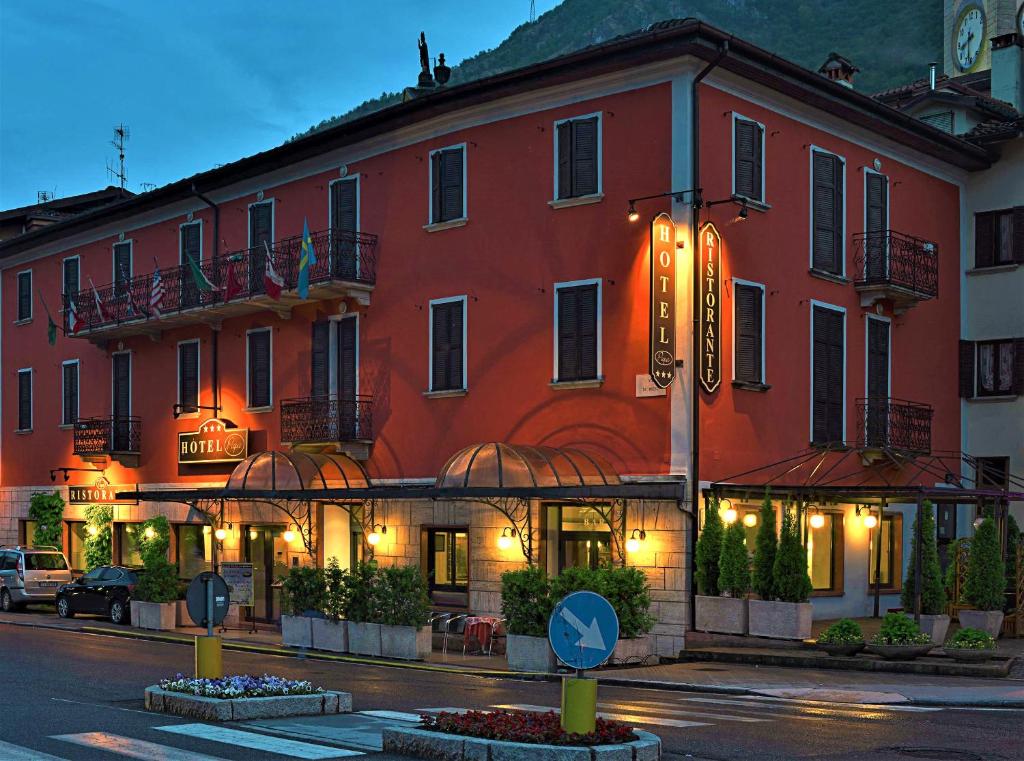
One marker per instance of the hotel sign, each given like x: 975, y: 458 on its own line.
x: 710, y: 336
x: 663, y: 301
x: 101, y: 493
x: 214, y: 442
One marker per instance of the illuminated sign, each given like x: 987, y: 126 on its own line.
x: 101, y: 493
x: 663, y: 301
x: 213, y: 442
x: 710, y: 337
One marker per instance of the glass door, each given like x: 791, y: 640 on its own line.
x: 265, y: 549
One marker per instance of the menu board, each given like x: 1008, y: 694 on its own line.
x: 238, y: 577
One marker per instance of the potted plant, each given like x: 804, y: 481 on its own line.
x: 405, y: 612
x: 154, y: 602
x: 526, y: 606
x: 711, y: 612
x: 766, y: 546
x: 985, y: 581
x: 970, y: 646
x: 728, y: 613
x: 331, y: 632
x: 788, y: 616
x: 843, y: 638
x: 899, y: 639
x: 630, y: 595
x: 934, y: 621
x: 302, y: 600
x: 363, y: 589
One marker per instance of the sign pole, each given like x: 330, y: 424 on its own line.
x: 209, y: 661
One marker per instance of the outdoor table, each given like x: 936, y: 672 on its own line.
x: 480, y: 628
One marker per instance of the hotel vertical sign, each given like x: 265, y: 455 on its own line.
x: 710, y: 338
x: 663, y: 301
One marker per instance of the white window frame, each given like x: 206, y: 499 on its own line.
x: 810, y: 212
x: 131, y: 380
x: 131, y: 258
x: 78, y: 395
x: 764, y: 190
x: 576, y: 200
x: 31, y: 401
x: 248, y: 387
x: 199, y: 375
x: 431, y: 224
x: 181, y: 239
x: 842, y: 310
x: 764, y: 338
x: 465, y: 347
x: 867, y: 351
x: 18, y: 319
x: 600, y: 332
x: 273, y: 220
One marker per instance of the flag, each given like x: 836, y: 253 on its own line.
x: 233, y: 288
x: 201, y: 280
x: 74, y: 322
x: 51, y: 330
x: 101, y: 311
x: 156, y: 293
x: 272, y: 282
x: 307, y: 258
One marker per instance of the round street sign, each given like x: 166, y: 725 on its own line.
x: 195, y: 599
x: 583, y: 630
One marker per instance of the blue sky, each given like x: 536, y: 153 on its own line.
x: 202, y: 83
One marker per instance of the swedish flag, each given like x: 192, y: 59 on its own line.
x: 307, y: 258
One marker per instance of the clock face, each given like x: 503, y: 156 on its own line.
x: 968, y: 37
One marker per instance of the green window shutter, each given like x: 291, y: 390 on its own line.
x: 747, y: 144
x: 584, y: 156
x: 827, y: 211
x: 451, y: 184
x: 319, y: 365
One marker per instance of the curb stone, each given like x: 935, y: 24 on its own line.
x: 420, y: 743
x: 237, y: 709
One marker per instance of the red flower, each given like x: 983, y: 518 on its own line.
x: 524, y: 727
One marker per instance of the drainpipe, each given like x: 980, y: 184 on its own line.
x: 215, y: 334
x: 695, y: 358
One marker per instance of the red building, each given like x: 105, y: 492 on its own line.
x: 478, y: 280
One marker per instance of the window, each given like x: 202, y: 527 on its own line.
x: 188, y: 376
x: 577, y: 333
x: 76, y: 545
x: 825, y: 553
x: 578, y: 147
x: 448, y: 184
x: 195, y: 550
x: 45, y: 561
x: 448, y: 344
x: 992, y: 473
x: 70, y: 285
x: 128, y: 553
x: 69, y: 392
x: 999, y: 237
x: 997, y: 367
x: 584, y: 538
x: 122, y: 267
x: 448, y: 566
x: 891, y: 531
x: 827, y: 206
x: 190, y: 250
x: 25, y: 400
x: 940, y: 120
x: 259, y: 363
x: 25, y: 295
x: 748, y: 159
x: 828, y: 371
x: 748, y: 332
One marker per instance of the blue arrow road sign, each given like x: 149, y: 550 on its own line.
x: 583, y: 630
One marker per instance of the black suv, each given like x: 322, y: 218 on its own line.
x: 106, y: 591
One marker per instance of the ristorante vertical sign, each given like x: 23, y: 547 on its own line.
x: 663, y: 301
x: 710, y: 338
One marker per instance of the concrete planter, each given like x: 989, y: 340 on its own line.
x: 780, y: 620
x: 363, y: 638
x: 297, y: 631
x: 529, y: 653
x: 841, y: 649
x: 159, y: 616
x: 406, y: 643
x: 239, y: 709
x: 181, y: 616
x: 422, y: 743
x: 330, y: 635
x: 989, y: 621
x: 726, y: 615
x: 900, y: 652
x: 635, y: 650
x: 934, y: 626
x: 969, y: 655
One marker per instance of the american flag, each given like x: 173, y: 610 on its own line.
x: 156, y: 294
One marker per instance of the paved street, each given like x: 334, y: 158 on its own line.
x: 79, y: 696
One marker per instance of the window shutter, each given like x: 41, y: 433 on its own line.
x: 435, y: 187
x: 122, y: 264
x: 343, y: 205
x: 827, y: 211
x: 441, y: 348
x: 835, y: 377
x: 588, y: 332
x: 191, y: 241
x: 24, y: 295
x: 967, y: 369
x: 259, y: 369
x: 122, y: 385
x: 25, y: 400
x: 584, y: 158
x: 260, y: 231
x: 319, y: 371
x: 451, y: 184
x: 564, y: 159
x: 188, y: 381
x: 568, y: 334
x: 984, y: 239
x: 747, y: 146
x: 69, y: 407
x: 455, y: 322
x: 71, y: 280
x: 827, y: 365
x: 1018, y: 234
x: 1017, y: 384
x: 877, y: 202
x: 347, y: 358
x: 748, y: 334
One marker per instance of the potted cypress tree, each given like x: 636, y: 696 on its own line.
x: 364, y: 609
x: 331, y: 632
x: 730, y: 609
x: 405, y: 612
x: 154, y: 603
x: 629, y: 593
x: 985, y: 581
x: 766, y: 547
x: 302, y: 600
x: 789, y: 615
x: 934, y: 621
x: 713, y: 613
x: 526, y: 606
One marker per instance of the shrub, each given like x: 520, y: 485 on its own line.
x: 98, y: 545
x: 709, y: 549
x: 362, y: 588
x: 792, y: 584
x: 303, y: 589
x: 630, y: 595
x: 154, y: 538
x: 526, y: 601
x: 986, y: 576
x: 574, y: 579
x: 47, y: 510
x: 933, y: 587
x: 242, y: 686
x: 845, y: 631
x: 335, y: 591
x: 1013, y: 541
x: 404, y: 600
x: 765, y: 548
x: 734, y: 564
x: 971, y: 639
x: 158, y: 582
x: 898, y: 629
x: 524, y: 727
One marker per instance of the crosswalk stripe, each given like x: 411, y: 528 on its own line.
x: 656, y: 708
x: 10, y: 752
x: 241, y: 739
x: 627, y: 717
x: 396, y: 715
x: 126, y: 746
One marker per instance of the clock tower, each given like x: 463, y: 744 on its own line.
x: 968, y: 27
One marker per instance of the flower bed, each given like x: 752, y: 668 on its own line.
x: 239, y: 686
x: 525, y: 727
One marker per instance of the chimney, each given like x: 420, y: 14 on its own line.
x: 838, y: 69
x: 931, y: 74
x: 1008, y: 69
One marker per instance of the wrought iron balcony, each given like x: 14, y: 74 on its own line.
x: 894, y: 424
x: 117, y: 437
x: 896, y: 267
x: 346, y: 266
x: 327, y: 420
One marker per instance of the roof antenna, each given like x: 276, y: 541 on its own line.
x: 121, y: 135
x: 533, y: 11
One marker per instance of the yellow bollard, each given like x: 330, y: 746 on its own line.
x: 208, y: 658
x: 579, y: 704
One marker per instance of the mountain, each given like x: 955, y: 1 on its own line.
x: 891, y: 43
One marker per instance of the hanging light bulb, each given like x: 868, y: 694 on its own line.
x: 289, y: 535
x: 221, y: 534
x: 92, y: 530
x: 750, y: 520
x: 817, y: 520
x: 633, y: 543
x: 505, y: 540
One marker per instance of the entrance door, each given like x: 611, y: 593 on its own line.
x: 348, y: 408
x: 878, y: 382
x: 877, y: 219
x: 265, y: 549
x: 122, y: 402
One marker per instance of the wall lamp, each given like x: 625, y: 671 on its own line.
x: 635, y: 538
x: 66, y: 471
x: 740, y: 201
x: 868, y: 519
x: 508, y: 534
x: 183, y: 409
x: 373, y: 538
x: 729, y: 514
x: 679, y: 196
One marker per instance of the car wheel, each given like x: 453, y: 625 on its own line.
x: 117, y: 612
x: 6, y: 603
x: 64, y: 608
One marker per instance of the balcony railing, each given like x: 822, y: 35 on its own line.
x: 896, y: 424
x: 326, y: 420
x: 237, y: 277
x: 96, y: 436
x: 896, y: 266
